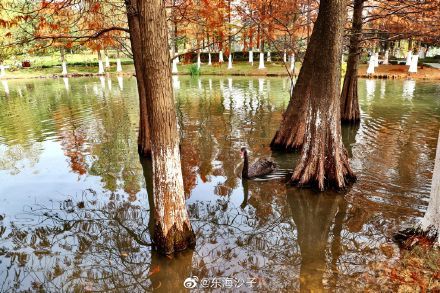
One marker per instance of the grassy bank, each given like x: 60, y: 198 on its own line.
x: 87, y: 64
x: 47, y: 72
x: 241, y: 68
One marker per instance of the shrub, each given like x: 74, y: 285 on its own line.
x: 193, y: 70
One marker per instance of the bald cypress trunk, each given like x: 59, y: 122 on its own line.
x: 312, y: 118
x: 350, y: 111
x: 172, y: 228
x: 144, y: 144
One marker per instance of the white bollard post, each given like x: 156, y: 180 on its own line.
x: 408, y: 58
x: 413, y: 66
x: 2, y: 71
x: 100, y: 67
x: 174, y: 68
x: 371, y: 63
x: 118, y: 65
x: 230, y: 61
x: 176, y: 82
x: 261, y: 65
x: 385, y: 58
x: 64, y: 66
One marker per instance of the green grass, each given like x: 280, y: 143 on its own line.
x: 87, y: 63
x: 238, y: 68
x: 35, y: 72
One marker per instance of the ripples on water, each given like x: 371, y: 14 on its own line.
x: 74, y: 196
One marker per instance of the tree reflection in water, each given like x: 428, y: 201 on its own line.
x: 289, y: 239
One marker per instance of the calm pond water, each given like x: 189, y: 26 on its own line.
x: 74, y: 195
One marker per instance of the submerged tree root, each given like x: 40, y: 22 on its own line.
x: 411, y: 237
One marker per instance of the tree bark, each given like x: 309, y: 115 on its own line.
x: 312, y: 118
x: 172, y: 228
x: 431, y: 221
x: 144, y: 144
x: 350, y: 111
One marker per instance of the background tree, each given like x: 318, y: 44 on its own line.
x: 350, y: 110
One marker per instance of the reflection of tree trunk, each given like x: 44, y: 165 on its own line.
x: 348, y: 133
x: 312, y: 118
x: 144, y: 146
x: 172, y: 229
x: 350, y: 111
x: 313, y: 215
x: 167, y: 275
x: 336, y: 247
x: 147, y: 167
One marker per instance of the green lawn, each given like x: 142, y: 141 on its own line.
x: 48, y: 66
x: 239, y: 68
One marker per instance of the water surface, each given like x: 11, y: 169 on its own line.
x: 74, y: 195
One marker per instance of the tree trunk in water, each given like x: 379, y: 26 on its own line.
x: 312, y: 118
x: 431, y: 221
x: 172, y: 228
x: 350, y: 111
x: 144, y: 144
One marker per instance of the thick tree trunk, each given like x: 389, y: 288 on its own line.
x: 431, y: 221
x: 350, y: 111
x: 312, y: 118
x: 144, y: 144
x: 172, y: 228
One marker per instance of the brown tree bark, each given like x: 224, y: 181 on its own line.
x: 350, y: 111
x: 312, y: 118
x: 172, y: 228
x: 144, y: 144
